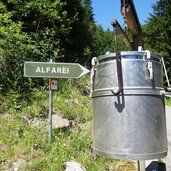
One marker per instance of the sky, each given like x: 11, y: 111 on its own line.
x: 106, y: 10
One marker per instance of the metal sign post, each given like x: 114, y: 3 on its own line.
x: 50, y: 112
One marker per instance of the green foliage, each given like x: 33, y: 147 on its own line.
x: 157, y: 31
x: 79, y: 47
x: 3, y: 104
x: 45, y: 22
x: 70, y: 101
x: 40, y: 30
x: 14, y: 50
x: 168, y: 101
x: 104, y: 41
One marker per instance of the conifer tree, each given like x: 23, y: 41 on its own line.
x: 157, y: 31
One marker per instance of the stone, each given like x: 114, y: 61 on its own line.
x: 71, y: 101
x: 17, y: 165
x: 74, y: 166
x: 86, y: 90
x: 59, y: 122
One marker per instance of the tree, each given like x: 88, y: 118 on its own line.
x: 29, y: 31
x: 104, y: 41
x: 14, y: 48
x: 157, y: 31
x: 46, y: 22
x: 39, y: 30
x: 79, y: 47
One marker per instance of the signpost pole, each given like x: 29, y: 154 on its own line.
x: 50, y: 110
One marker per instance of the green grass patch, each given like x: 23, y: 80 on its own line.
x: 168, y: 101
x: 22, y: 140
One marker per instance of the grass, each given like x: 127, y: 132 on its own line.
x: 21, y: 141
x: 168, y: 101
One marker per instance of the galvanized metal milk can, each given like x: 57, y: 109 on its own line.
x: 129, y: 119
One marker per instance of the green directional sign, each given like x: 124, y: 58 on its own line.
x: 54, y: 70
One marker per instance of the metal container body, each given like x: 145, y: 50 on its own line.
x: 131, y: 125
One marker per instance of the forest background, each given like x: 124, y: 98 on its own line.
x: 65, y: 31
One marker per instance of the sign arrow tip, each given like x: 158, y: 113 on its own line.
x: 85, y: 71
